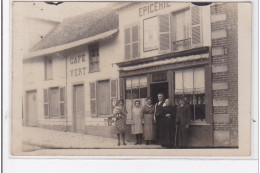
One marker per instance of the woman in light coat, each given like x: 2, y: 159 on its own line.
x: 137, y: 117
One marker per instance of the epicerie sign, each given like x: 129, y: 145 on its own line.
x: 75, y: 61
x: 153, y: 7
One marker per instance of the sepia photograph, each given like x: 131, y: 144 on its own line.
x: 157, y: 78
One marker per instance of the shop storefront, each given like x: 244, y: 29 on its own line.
x: 174, y: 75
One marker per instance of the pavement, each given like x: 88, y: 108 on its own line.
x: 35, y: 138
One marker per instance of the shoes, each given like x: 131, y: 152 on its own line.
x: 118, y: 144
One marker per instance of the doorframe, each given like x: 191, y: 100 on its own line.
x: 74, y: 106
x: 27, y: 106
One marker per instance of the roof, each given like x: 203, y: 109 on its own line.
x: 79, y: 27
x: 167, y: 61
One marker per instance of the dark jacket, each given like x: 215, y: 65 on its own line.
x: 169, y: 110
x: 183, y: 115
x: 159, y: 109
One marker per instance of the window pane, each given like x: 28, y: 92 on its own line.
x: 143, y: 81
x: 135, y: 82
x: 128, y: 83
x: 199, y: 81
x: 48, y: 68
x: 178, y: 82
x: 188, y: 81
x: 135, y: 94
x: 143, y: 92
x: 103, y: 95
x: 128, y: 94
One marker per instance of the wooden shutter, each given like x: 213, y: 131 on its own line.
x: 62, y: 101
x: 93, y: 106
x: 196, y: 30
x: 135, y: 41
x: 113, y: 92
x: 164, y: 33
x: 127, y: 43
x: 46, y: 103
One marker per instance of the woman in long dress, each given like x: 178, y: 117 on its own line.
x: 120, y: 114
x: 149, y: 127
x: 137, y: 127
x: 168, y: 125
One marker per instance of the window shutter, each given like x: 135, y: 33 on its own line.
x: 46, y: 103
x: 127, y: 43
x: 196, y: 30
x: 62, y: 101
x: 113, y: 92
x: 93, y: 106
x: 164, y: 33
x: 135, y: 41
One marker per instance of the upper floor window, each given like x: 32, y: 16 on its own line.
x: 181, y: 36
x: 180, y: 30
x: 93, y: 58
x: 132, y: 42
x: 48, y: 68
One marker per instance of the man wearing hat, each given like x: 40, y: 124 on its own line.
x: 183, y: 118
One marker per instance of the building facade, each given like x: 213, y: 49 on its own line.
x: 74, y: 76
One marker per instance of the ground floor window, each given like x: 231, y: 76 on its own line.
x: 191, y: 83
x: 54, y: 102
x: 102, y: 95
x: 136, y: 88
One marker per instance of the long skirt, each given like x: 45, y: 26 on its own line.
x: 168, y: 129
x: 149, y: 127
x: 120, y: 126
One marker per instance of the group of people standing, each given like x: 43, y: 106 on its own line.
x: 161, y: 123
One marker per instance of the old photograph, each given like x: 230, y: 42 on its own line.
x: 152, y: 78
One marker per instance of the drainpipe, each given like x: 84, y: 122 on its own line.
x: 66, y: 98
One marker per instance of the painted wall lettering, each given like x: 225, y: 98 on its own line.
x: 78, y: 71
x: 78, y: 65
x: 77, y: 59
x: 153, y: 7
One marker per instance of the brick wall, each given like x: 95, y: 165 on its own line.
x: 224, y: 41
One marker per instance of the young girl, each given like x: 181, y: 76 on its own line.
x: 137, y: 127
x: 120, y: 114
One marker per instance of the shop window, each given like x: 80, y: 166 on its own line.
x: 48, y: 68
x: 191, y: 84
x: 136, y: 88
x: 132, y: 42
x: 54, y: 102
x: 93, y: 58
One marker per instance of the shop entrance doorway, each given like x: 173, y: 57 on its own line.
x: 159, y: 88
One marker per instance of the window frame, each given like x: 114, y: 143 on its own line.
x: 193, y: 103
x: 48, y: 59
x: 94, y: 47
x: 172, y: 28
x: 158, y: 33
x: 59, y: 102
x: 131, y: 42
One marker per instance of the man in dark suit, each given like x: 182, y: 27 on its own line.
x: 158, y: 115
x: 183, y: 122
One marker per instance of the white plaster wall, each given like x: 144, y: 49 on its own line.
x: 130, y: 16
x: 34, y: 79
